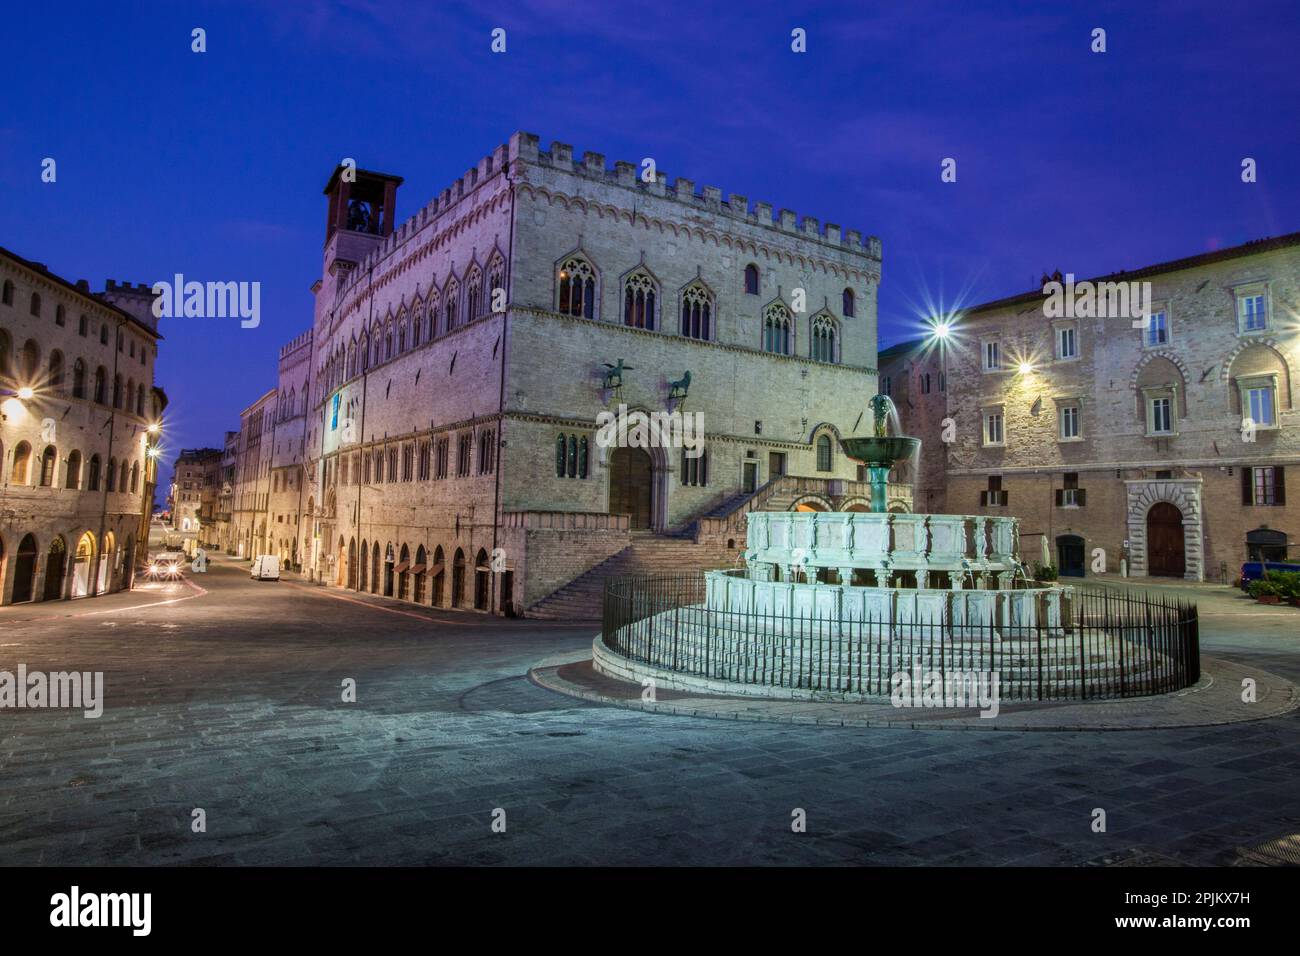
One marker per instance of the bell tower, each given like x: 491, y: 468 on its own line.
x: 362, y: 208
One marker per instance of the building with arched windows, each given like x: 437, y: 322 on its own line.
x: 1164, y: 441
x: 76, y: 400
x: 459, y: 363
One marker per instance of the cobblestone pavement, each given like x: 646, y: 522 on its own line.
x: 230, y: 701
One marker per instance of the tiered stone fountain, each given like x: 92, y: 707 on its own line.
x: 893, y: 569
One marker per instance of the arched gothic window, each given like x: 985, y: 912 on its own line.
x: 56, y: 371
x: 778, y: 329
x: 849, y: 304
x: 823, y: 339
x: 577, y: 288
x: 697, y: 312
x: 49, y: 459
x: 431, y: 326
x: 101, y: 386
x: 79, y: 379
x: 474, y: 294
x: 388, y: 341
x: 495, y: 281
x: 639, y: 298
x: 451, y: 308
x: 751, y: 279
x: 22, y: 462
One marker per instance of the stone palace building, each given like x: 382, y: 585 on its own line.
x: 1164, y: 442
x: 435, y: 435
x: 77, y: 402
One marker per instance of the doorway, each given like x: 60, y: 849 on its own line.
x: 749, y: 477
x: 775, y: 464
x: 1069, y: 555
x: 1166, y: 556
x: 25, y: 571
x: 630, y: 485
x: 56, y: 564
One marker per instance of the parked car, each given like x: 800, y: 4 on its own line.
x: 1254, y: 570
x: 266, y: 567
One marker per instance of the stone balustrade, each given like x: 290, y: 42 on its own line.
x: 958, y: 551
x: 891, y: 611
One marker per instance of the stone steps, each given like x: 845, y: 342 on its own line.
x: 581, y: 598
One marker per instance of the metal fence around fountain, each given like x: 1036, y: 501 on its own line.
x: 1109, y: 644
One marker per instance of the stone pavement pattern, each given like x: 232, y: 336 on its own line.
x: 230, y: 701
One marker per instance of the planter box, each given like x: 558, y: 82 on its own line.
x: 1269, y: 599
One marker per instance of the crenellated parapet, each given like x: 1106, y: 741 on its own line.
x: 524, y: 147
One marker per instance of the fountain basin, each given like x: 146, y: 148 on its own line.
x: 879, y: 452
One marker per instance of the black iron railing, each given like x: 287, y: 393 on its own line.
x: 1103, y: 644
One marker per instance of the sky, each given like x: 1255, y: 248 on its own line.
x: 212, y: 164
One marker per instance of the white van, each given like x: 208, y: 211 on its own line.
x: 266, y: 567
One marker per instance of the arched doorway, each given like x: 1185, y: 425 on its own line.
x: 439, y: 574
x: 1069, y: 555
x: 482, y: 582
x: 365, y: 551
x: 341, y: 572
x: 389, y: 565
x: 458, y: 579
x: 56, y: 566
x: 352, y: 564
x: 631, y: 485
x: 418, y: 572
x: 83, y: 566
x: 374, y: 568
x: 128, y: 563
x: 25, y: 570
x: 106, y: 558
x: 403, y: 573
x: 1166, y: 556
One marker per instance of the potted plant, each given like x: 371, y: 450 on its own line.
x: 1266, y: 591
x: 1045, y: 573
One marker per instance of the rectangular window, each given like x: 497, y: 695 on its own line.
x: 993, y: 495
x: 1070, y: 495
x: 993, y: 428
x: 1157, y: 332
x: 992, y: 357
x: 886, y: 386
x: 334, y: 411
x: 1161, y: 413
x: 1067, y: 344
x: 1253, y: 310
x: 1264, y: 486
x: 1260, y: 405
x: 1069, y: 422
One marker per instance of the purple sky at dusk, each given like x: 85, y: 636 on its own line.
x: 212, y: 165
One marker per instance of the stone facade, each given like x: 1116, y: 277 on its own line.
x: 192, y: 502
x: 451, y: 355
x: 77, y: 401
x: 252, y: 486
x: 1164, y: 444
x: 912, y: 374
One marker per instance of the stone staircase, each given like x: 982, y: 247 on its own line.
x: 580, y: 599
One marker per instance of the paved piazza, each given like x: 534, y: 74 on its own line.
x: 228, y: 698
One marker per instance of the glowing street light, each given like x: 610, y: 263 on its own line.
x: 1026, y: 368
x: 26, y: 392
